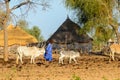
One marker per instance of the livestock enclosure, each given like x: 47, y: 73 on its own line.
x: 89, y: 67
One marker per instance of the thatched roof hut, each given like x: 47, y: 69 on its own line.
x: 68, y: 34
x: 16, y: 36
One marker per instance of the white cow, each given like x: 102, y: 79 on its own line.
x: 33, y: 52
x: 68, y: 54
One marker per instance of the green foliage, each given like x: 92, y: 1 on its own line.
x: 75, y: 77
x: 34, y: 31
x: 94, y: 15
x: 23, y: 24
x: 104, y: 78
x: 91, y: 10
x: 104, y: 34
x: 11, y: 75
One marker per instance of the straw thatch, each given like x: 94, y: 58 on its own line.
x: 67, y: 36
x: 16, y: 36
x: 68, y: 33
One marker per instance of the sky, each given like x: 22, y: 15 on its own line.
x: 50, y: 20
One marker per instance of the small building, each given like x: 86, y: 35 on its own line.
x: 16, y: 36
x: 67, y: 36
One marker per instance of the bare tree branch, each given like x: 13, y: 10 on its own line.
x: 14, y: 17
x: 21, y: 4
x: 24, y: 6
x: 2, y: 4
x: 31, y: 4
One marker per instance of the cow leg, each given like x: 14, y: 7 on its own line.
x: 113, y: 56
x: 75, y: 60
x: 70, y: 60
x: 31, y: 60
x: 21, y: 59
x: 61, y: 60
x: 17, y: 59
x: 110, y: 56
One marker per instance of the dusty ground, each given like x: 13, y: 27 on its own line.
x: 90, y: 67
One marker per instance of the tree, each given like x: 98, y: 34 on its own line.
x: 36, y: 32
x: 23, y: 5
x: 23, y: 24
x: 2, y: 15
x: 95, y: 15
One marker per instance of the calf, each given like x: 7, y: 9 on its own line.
x: 33, y: 52
x: 68, y: 54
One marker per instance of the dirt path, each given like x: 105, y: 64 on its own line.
x: 90, y: 67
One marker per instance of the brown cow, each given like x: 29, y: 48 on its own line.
x: 115, y: 48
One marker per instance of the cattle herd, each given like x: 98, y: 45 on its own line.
x: 35, y: 51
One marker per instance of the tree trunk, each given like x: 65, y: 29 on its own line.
x: 5, y: 43
x: 5, y: 31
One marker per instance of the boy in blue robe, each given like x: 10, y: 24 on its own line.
x: 48, y: 52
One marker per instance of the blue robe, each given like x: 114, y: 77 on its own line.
x: 48, y: 52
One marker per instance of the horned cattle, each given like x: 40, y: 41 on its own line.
x: 68, y: 54
x: 33, y: 52
x: 114, y: 48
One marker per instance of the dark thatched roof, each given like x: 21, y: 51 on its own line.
x: 68, y: 32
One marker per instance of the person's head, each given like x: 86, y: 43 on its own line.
x: 51, y: 41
